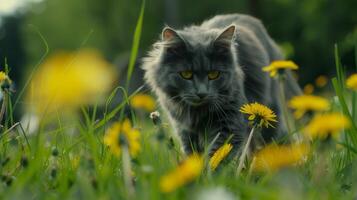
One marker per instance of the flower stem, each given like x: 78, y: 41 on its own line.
x: 3, y: 107
x: 207, y: 157
x: 245, y: 151
x: 127, y: 172
x: 283, y: 103
x: 250, y: 170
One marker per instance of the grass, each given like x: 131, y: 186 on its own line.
x: 66, y: 158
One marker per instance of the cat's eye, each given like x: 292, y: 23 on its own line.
x: 186, y: 74
x: 213, y: 75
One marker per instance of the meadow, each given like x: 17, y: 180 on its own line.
x: 74, y: 145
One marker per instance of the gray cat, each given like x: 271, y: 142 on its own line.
x: 203, y: 74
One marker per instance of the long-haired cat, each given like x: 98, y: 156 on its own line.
x: 203, y: 74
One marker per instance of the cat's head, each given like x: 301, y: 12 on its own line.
x: 193, y: 66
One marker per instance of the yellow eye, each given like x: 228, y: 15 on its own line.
x: 213, y: 75
x: 186, y: 74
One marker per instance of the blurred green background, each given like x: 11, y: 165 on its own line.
x: 306, y: 29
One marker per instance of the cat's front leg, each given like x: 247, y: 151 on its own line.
x: 190, y: 141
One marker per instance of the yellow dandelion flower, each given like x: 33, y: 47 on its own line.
x: 186, y: 172
x: 3, y: 76
x: 280, y: 65
x: 120, y: 133
x: 304, y: 103
x: 274, y: 157
x: 321, y: 81
x: 143, y: 101
x: 259, y: 114
x: 351, y: 82
x: 66, y: 81
x: 308, y: 89
x: 219, y: 155
x: 324, y: 125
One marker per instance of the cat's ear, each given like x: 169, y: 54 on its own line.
x: 227, y: 36
x: 173, y: 43
x: 169, y: 35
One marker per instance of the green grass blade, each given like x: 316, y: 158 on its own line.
x: 339, y: 86
x: 354, y: 94
x: 356, y: 52
x: 10, y: 118
x: 86, y: 115
x: 349, y: 147
x: 116, y: 110
x: 338, y: 65
x: 345, y: 110
x: 44, y: 55
x: 136, y: 42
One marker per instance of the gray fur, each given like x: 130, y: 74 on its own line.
x: 200, y: 49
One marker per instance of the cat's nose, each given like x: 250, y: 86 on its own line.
x: 202, y: 95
